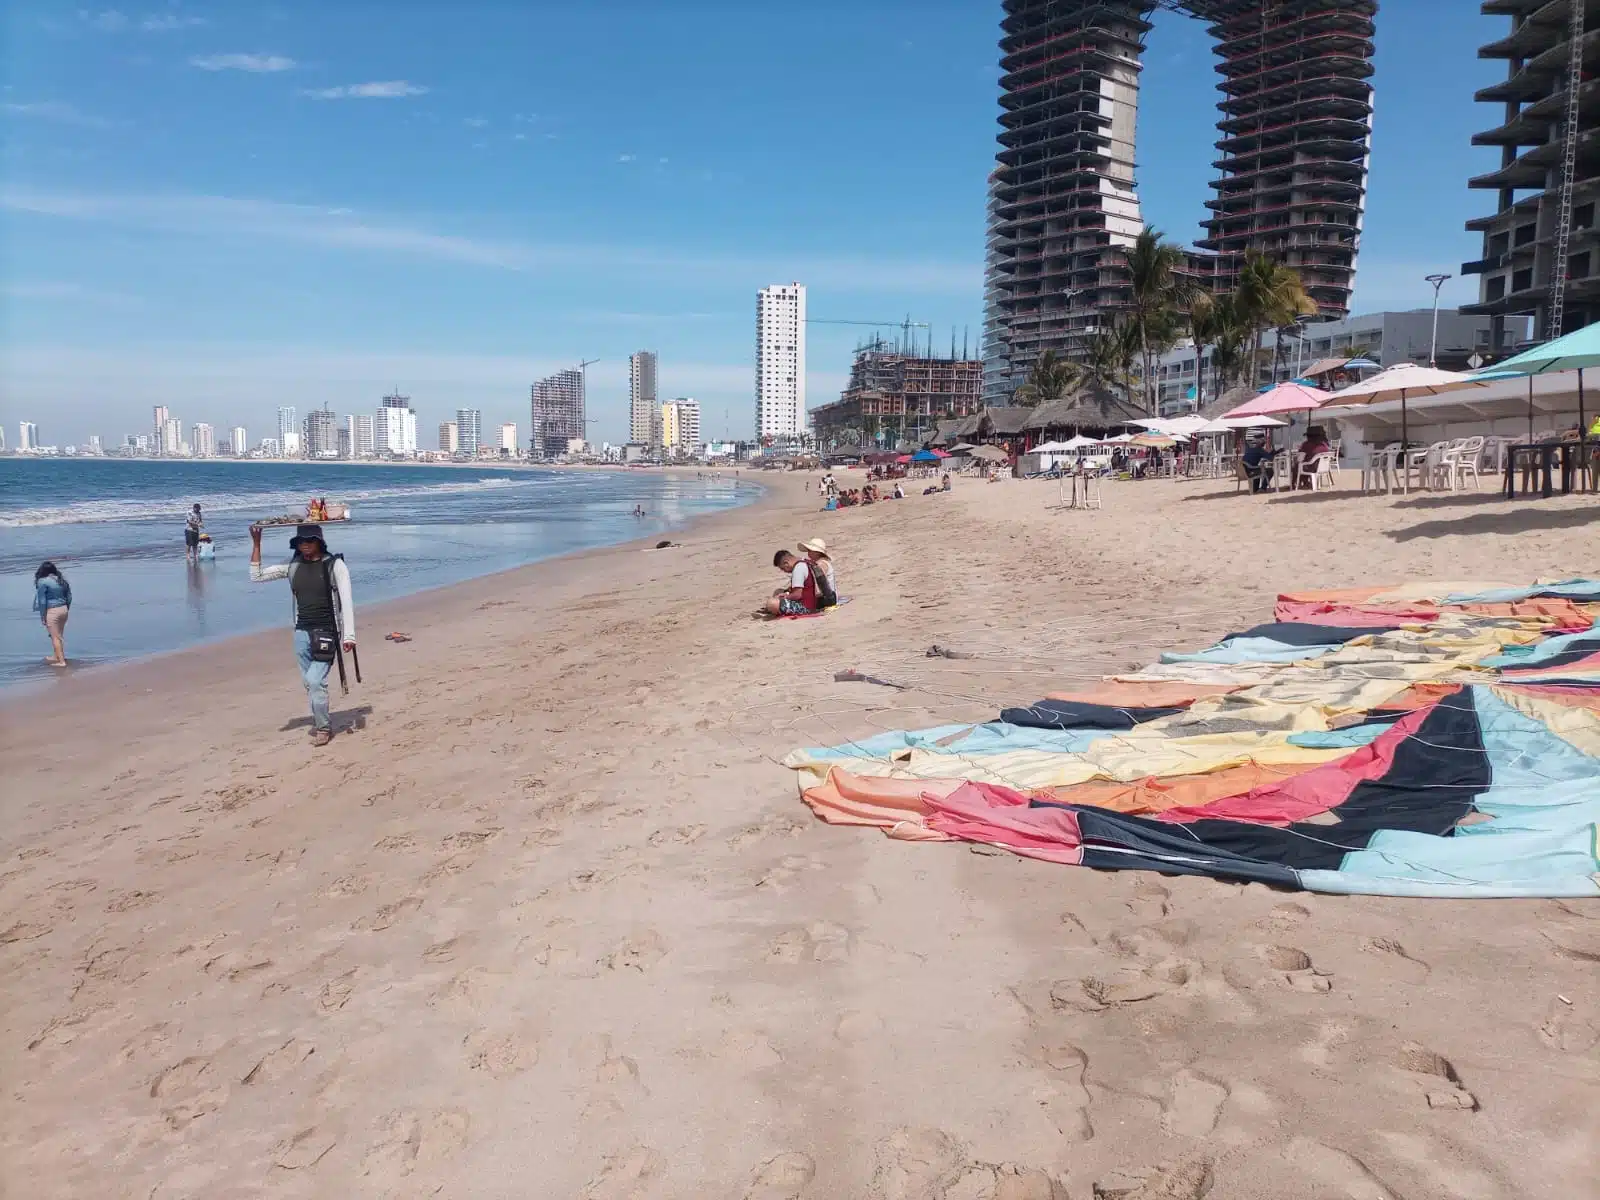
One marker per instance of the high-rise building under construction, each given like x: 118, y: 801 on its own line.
x: 558, y: 416
x: 1543, y: 231
x: 1293, y: 137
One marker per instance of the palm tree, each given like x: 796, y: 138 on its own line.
x: 1203, y: 327
x: 1230, y: 342
x: 1153, y: 266
x: 1270, y: 296
x: 1051, y: 379
x: 1109, y: 354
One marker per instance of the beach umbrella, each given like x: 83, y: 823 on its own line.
x: 902, y: 459
x: 1251, y: 422
x: 1286, y: 397
x: 1079, y: 442
x: 1398, y: 382
x: 924, y: 456
x: 1574, y: 352
x: 991, y: 454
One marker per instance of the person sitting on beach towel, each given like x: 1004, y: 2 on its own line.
x: 800, y: 597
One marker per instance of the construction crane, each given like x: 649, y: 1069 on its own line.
x: 1569, y: 171
x: 905, y: 327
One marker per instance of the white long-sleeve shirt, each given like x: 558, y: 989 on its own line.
x: 344, y: 605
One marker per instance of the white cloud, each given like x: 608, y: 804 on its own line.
x: 390, y: 89
x: 167, y: 22
x: 475, y: 122
x: 330, y: 228
x: 55, y: 110
x: 626, y: 157
x: 109, y: 21
x: 519, y: 137
x: 254, y: 63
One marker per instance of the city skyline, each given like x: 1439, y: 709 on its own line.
x: 502, y: 263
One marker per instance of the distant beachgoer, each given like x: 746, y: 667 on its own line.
x: 324, y: 612
x: 191, y: 534
x: 800, y: 596
x: 899, y: 490
x: 944, y: 483
x: 52, y: 600
x: 827, y: 582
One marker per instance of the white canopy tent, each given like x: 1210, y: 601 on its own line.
x: 1498, y: 408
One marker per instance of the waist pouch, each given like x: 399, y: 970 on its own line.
x: 324, y: 645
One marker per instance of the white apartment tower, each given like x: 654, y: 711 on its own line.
x: 395, y: 430
x: 204, y: 440
x: 469, y: 430
x: 508, y: 438
x: 643, y: 407
x: 239, y: 442
x: 781, y: 361
x: 362, y: 444
x: 27, y: 435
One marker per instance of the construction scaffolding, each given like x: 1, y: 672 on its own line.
x: 558, y: 416
x: 1294, y: 126
x: 1541, y: 248
x: 894, y: 397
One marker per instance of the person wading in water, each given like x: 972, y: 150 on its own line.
x: 324, y: 611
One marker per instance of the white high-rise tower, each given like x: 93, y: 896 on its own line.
x: 781, y: 361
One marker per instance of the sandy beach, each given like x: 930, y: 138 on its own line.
x: 554, y: 922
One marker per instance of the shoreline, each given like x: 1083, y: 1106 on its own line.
x: 555, y: 910
x: 31, y: 690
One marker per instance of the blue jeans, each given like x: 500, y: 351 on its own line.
x: 315, y: 676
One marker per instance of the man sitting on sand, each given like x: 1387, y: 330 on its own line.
x: 800, y: 597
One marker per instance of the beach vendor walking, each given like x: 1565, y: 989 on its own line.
x: 323, y: 608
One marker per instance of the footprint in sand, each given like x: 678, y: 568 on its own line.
x: 785, y: 827
x: 1444, y: 1170
x: 1319, y: 1051
x: 503, y: 1053
x: 1286, y: 916
x: 980, y: 1181
x: 1331, y: 1168
x: 1150, y: 902
x: 637, y: 953
x: 468, y: 992
x: 785, y: 1177
x: 1285, y: 965
x: 1437, y: 1076
x: 305, y: 1149
x: 821, y: 941
x: 347, y: 885
x: 1067, y: 1100
x: 1413, y: 968
x: 1192, y: 1104
x: 626, y: 1176
x: 188, y: 1090
x: 235, y: 966
x: 336, y: 992
x: 445, y: 951
x: 396, y: 842
x: 1580, y: 944
x: 388, y: 915
x: 409, y: 1140
x: 1126, y: 986
x: 1191, y: 1179
x: 279, y: 1062
x: 917, y: 1164
x: 616, y: 1078
x: 684, y: 835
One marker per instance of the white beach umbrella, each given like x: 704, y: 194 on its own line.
x: 1398, y: 382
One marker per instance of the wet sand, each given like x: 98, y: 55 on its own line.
x: 553, y: 921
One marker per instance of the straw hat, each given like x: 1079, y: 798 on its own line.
x: 815, y: 545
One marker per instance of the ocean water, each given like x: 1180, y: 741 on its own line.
x: 115, y: 528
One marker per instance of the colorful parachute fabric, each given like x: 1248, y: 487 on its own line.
x: 1425, y: 740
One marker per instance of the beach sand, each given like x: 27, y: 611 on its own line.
x: 555, y: 923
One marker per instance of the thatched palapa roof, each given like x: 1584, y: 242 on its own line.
x: 1092, y: 408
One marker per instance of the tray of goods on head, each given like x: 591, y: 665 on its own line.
x: 317, y: 512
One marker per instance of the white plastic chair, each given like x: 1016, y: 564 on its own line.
x: 1380, y: 469
x: 1426, y: 463
x: 1323, y: 470
x: 1460, y: 461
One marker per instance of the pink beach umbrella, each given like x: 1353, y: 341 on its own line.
x: 1285, y: 398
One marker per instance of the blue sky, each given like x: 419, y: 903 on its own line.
x: 225, y: 208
